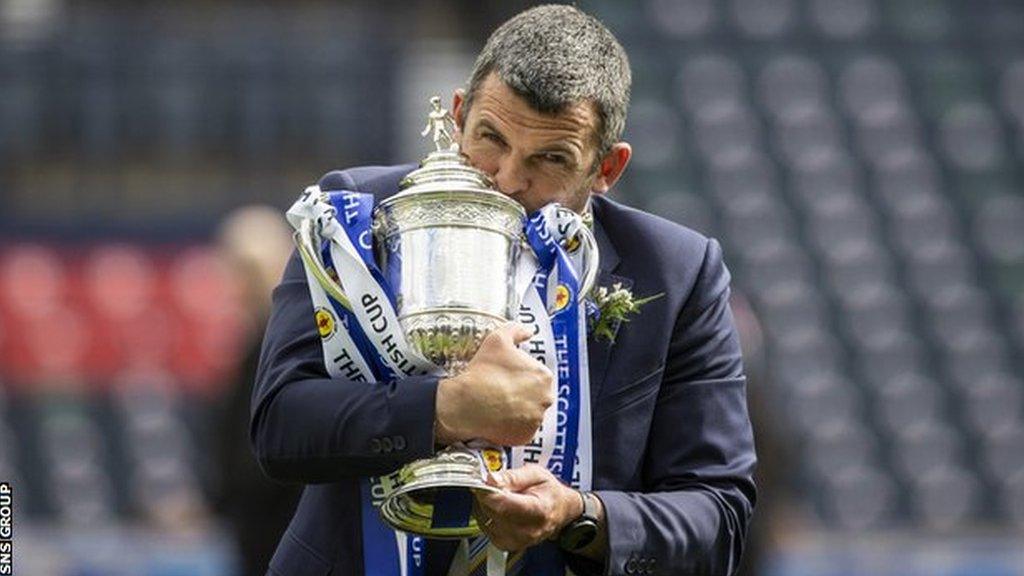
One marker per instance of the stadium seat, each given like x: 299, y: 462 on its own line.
x: 993, y: 403
x: 908, y: 397
x: 1011, y: 90
x: 763, y: 19
x: 683, y: 19
x: 80, y: 488
x: 871, y: 85
x: 684, y: 207
x: 655, y: 135
x: 837, y: 444
x: 161, y: 459
x: 920, y: 20
x: 888, y: 133
x: 997, y: 226
x: 971, y: 137
x: 818, y: 398
x: 1001, y: 452
x: 807, y: 136
x: 946, y: 497
x: 843, y: 20
x: 120, y: 281
x: 859, y: 498
x: 791, y: 83
x: 723, y: 133
x: 33, y: 280
x: 710, y: 81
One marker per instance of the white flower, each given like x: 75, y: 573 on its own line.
x: 614, y: 306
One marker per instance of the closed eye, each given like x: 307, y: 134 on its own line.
x: 493, y: 137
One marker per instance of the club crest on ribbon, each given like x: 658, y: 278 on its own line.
x: 492, y: 459
x: 325, y: 323
x: 562, y: 297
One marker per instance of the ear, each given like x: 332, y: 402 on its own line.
x: 458, y: 99
x: 612, y: 166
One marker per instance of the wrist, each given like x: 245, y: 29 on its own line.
x: 445, y: 429
x: 572, y: 507
x: 576, y: 507
x: 583, y: 526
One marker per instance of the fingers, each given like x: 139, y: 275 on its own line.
x: 509, y: 390
x: 531, y: 507
x: 511, y: 509
x: 491, y: 504
x: 519, y: 479
x: 512, y: 521
x: 508, y: 335
x: 516, y: 498
x: 517, y: 332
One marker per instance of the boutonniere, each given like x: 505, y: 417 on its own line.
x: 611, y: 306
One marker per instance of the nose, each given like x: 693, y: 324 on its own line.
x: 509, y: 176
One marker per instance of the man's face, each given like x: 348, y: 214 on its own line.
x: 533, y: 157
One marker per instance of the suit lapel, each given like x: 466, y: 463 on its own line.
x: 599, y: 351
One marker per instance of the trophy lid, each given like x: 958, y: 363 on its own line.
x: 445, y: 168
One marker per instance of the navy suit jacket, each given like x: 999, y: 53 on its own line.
x: 673, y: 447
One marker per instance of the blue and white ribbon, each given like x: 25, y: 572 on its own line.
x: 367, y: 345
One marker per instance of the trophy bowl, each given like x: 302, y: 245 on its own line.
x: 449, y: 249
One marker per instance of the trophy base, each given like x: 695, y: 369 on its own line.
x: 410, y: 506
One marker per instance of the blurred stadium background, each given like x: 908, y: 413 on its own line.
x: 861, y: 160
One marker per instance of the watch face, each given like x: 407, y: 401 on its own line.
x: 578, y: 535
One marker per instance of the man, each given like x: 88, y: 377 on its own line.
x: 673, y: 451
x: 255, y: 241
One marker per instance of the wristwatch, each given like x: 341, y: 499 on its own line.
x: 579, y: 533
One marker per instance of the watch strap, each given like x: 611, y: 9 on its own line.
x: 577, y: 534
x: 589, y: 506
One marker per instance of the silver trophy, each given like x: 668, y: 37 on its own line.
x: 449, y: 243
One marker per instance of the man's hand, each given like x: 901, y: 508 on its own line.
x: 532, y: 507
x: 500, y: 397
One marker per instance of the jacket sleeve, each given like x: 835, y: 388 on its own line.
x: 699, y: 494
x: 307, y: 427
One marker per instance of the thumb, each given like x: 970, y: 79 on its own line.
x: 516, y: 331
x: 496, y: 479
x: 518, y: 479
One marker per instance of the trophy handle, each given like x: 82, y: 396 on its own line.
x: 591, y: 260
x: 590, y: 256
x: 307, y: 240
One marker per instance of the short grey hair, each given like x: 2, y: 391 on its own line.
x: 555, y: 56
